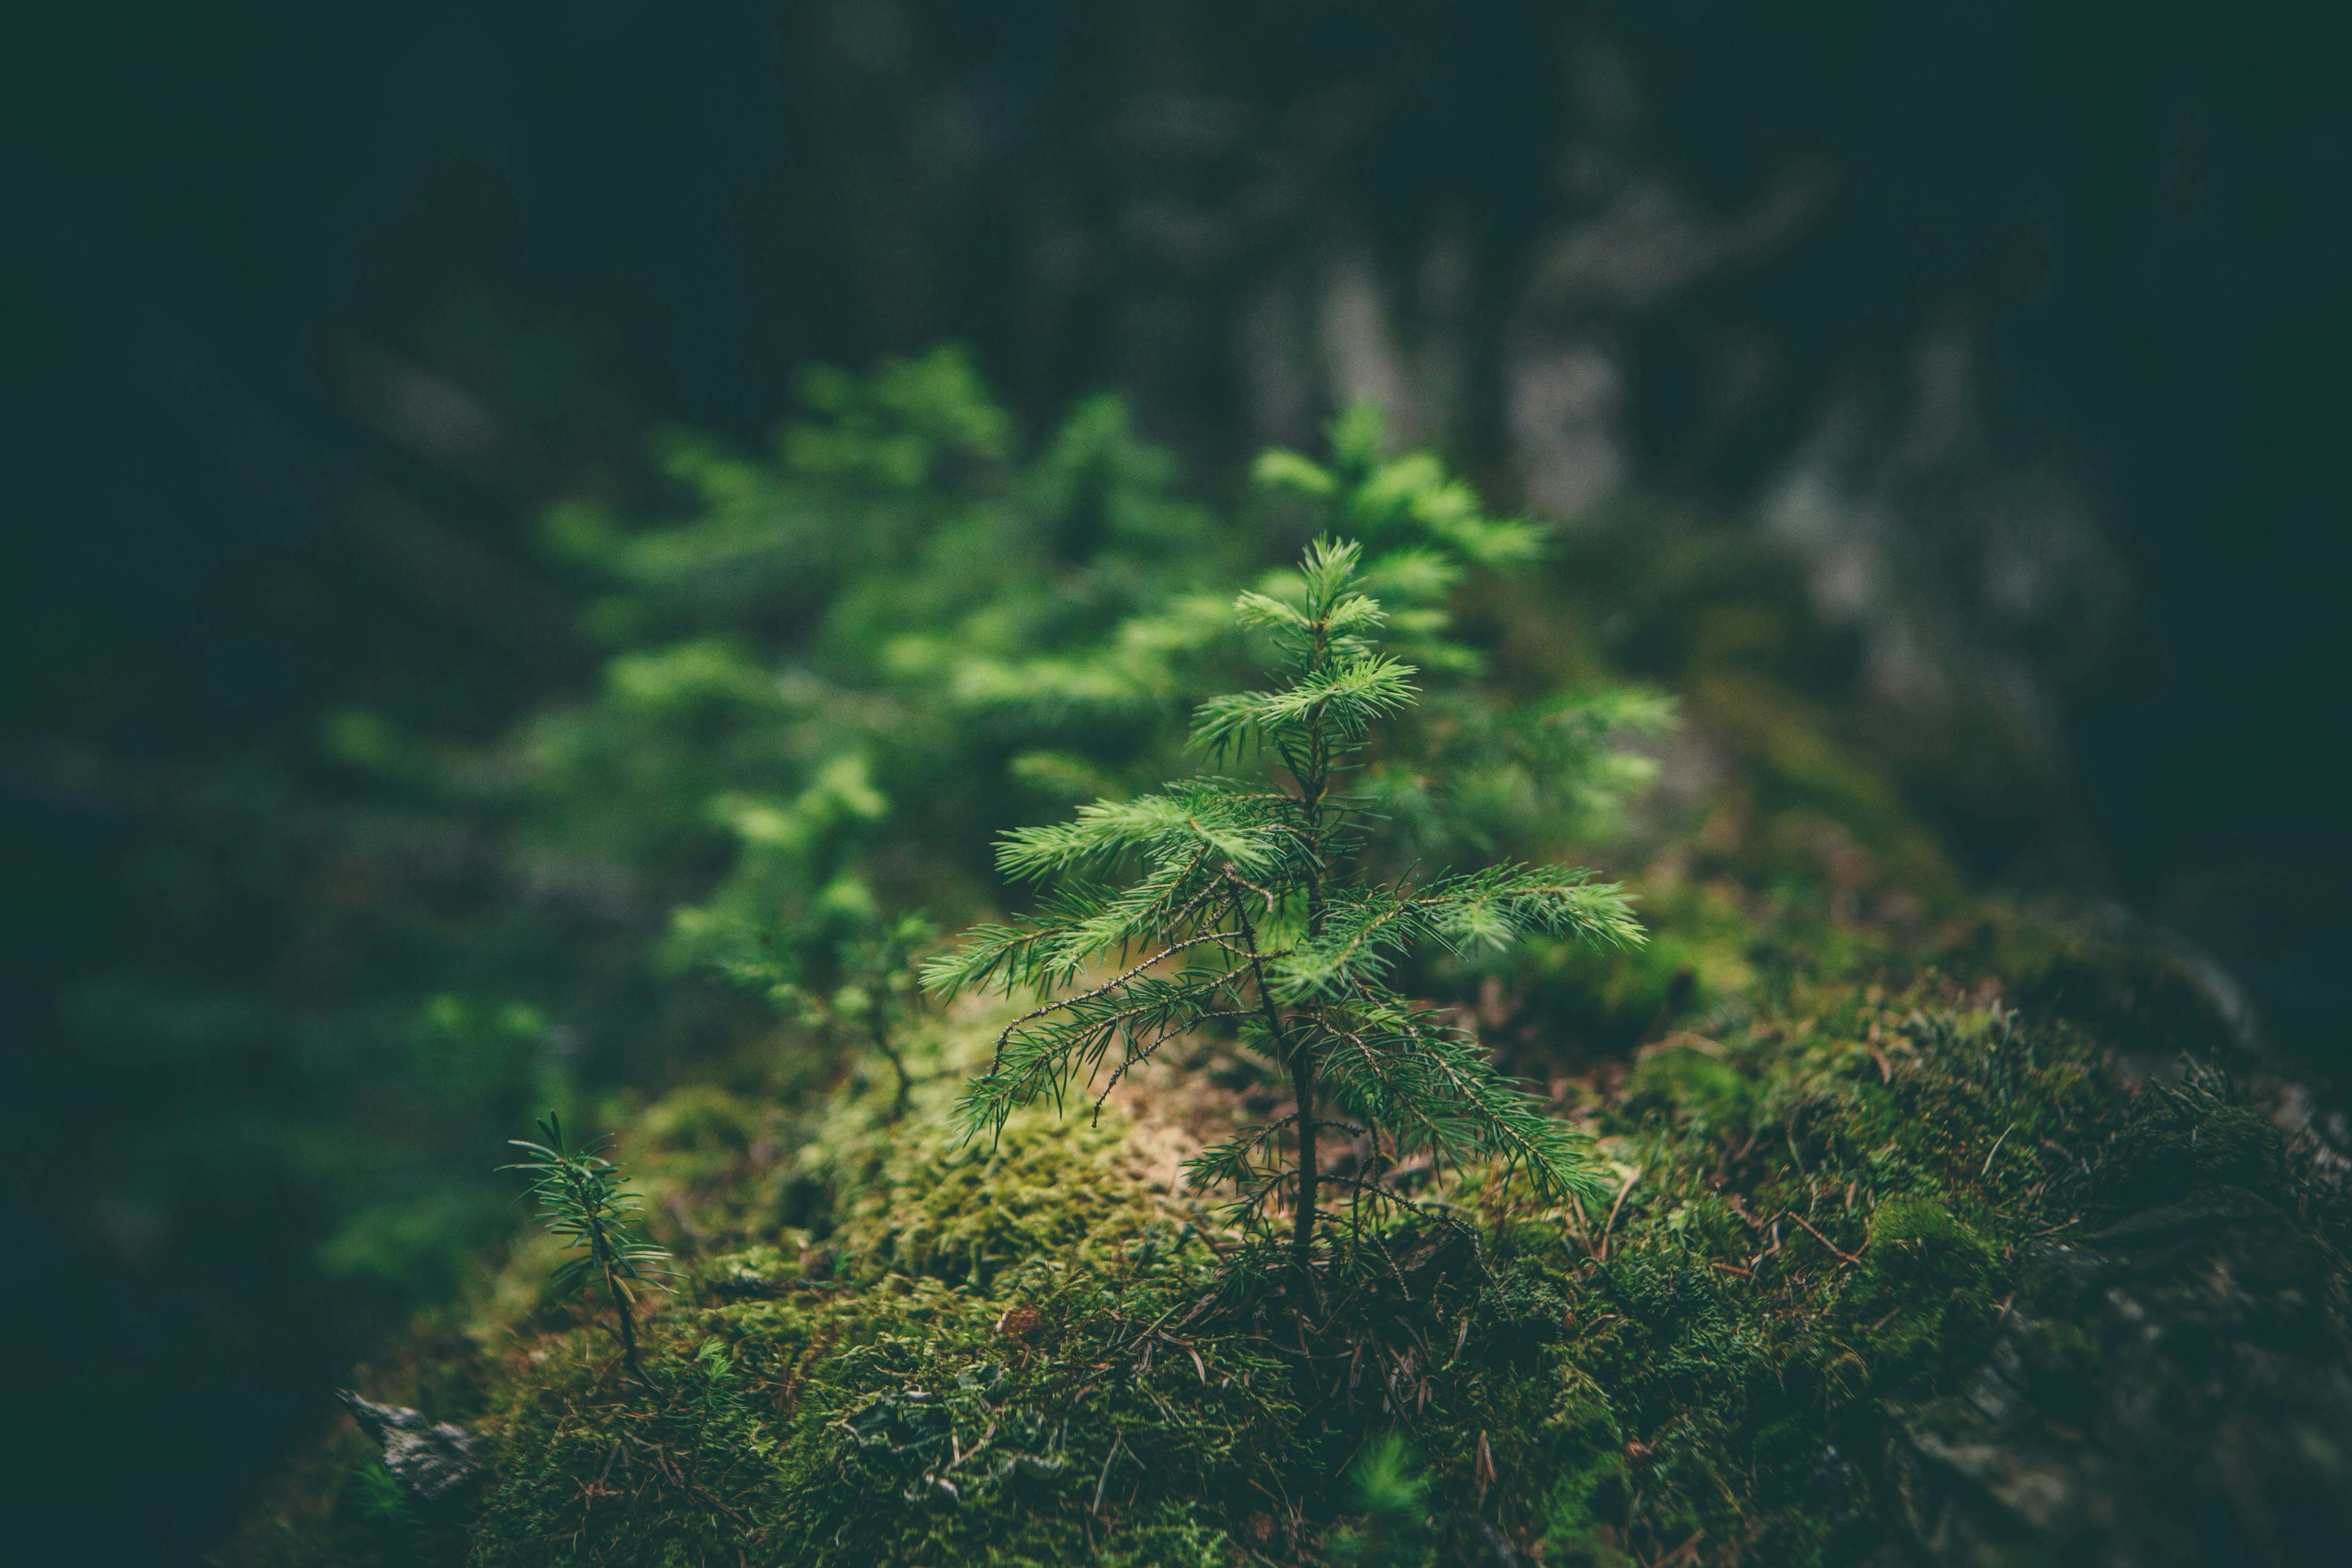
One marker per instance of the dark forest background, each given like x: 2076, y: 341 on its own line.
x: 2022, y: 328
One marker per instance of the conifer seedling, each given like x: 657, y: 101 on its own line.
x: 881, y: 990
x: 1245, y: 903
x: 580, y: 1199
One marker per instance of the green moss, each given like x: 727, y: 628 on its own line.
x: 927, y: 1206
x: 1693, y: 1084
x: 702, y: 1120
x: 2193, y: 1139
x: 1925, y: 1295
x: 1577, y: 1516
x: 936, y: 1352
x: 942, y: 1362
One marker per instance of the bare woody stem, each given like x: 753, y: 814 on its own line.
x: 880, y: 1029
x: 601, y: 1248
x: 621, y: 1310
x: 1302, y: 1083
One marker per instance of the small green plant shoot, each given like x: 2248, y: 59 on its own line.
x: 580, y: 1199
x: 1393, y: 1493
x: 1246, y: 904
x: 858, y: 976
x: 880, y: 989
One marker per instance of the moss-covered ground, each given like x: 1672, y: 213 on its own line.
x: 1922, y: 1248
x: 892, y: 1347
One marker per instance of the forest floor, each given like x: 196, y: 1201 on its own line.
x: 1959, y: 1244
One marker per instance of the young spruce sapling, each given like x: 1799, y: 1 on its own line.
x: 580, y: 1199
x: 1247, y: 904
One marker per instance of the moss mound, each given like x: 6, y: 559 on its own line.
x: 1843, y: 1213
